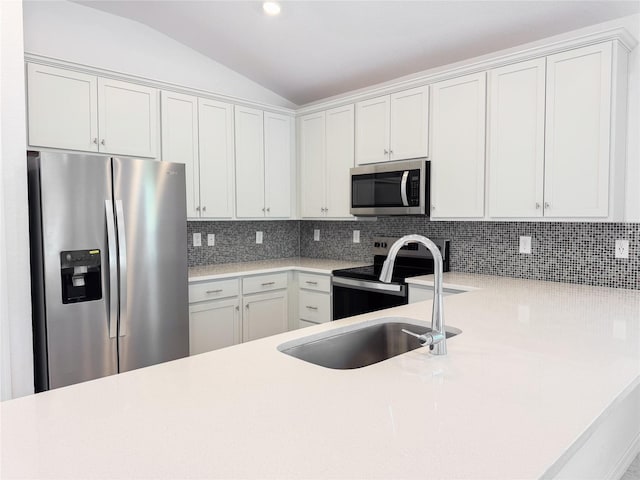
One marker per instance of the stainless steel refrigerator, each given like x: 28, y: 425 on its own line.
x: 109, y: 265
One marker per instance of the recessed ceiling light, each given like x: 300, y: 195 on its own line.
x: 271, y: 8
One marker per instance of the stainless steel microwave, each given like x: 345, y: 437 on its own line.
x: 397, y: 188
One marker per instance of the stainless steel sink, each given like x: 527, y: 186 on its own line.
x: 359, y: 347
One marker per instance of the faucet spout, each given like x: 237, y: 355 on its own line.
x: 439, y: 342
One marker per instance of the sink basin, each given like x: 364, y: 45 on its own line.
x: 363, y: 345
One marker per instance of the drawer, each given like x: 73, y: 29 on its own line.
x: 264, y: 283
x: 309, y: 281
x: 305, y: 323
x: 199, y: 292
x: 314, y: 306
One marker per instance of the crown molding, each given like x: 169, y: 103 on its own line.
x: 114, y: 75
x: 465, y: 67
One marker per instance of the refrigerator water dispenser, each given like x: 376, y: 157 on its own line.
x: 81, y: 275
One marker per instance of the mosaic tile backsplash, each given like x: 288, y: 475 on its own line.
x: 236, y: 241
x: 562, y: 252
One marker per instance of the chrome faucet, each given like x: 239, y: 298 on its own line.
x: 437, y: 339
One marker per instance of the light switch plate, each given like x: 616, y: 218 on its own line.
x: 525, y: 245
x: 211, y: 239
x: 316, y: 235
x: 622, y: 248
x: 356, y: 236
x: 258, y: 237
x: 197, y: 239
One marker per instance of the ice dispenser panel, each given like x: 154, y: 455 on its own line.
x: 81, y: 275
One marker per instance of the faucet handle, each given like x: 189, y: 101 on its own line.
x: 427, y: 338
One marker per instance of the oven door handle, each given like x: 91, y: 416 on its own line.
x: 403, y: 188
x: 381, y: 287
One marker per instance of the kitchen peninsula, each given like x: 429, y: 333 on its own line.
x: 539, y: 370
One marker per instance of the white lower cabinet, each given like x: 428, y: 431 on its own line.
x: 264, y: 314
x: 214, y: 325
x: 314, y: 299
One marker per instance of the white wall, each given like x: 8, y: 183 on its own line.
x: 80, y: 34
x: 16, y: 358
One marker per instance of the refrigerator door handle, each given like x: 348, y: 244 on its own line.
x: 122, y: 256
x: 113, y: 270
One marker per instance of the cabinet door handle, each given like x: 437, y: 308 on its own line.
x: 197, y: 209
x: 237, y: 308
x: 204, y: 209
x: 102, y: 142
x: 547, y: 205
x: 215, y: 291
x: 391, y: 152
x: 310, y: 282
x: 386, y: 152
x: 266, y: 284
x: 268, y: 209
x: 537, y: 206
x: 95, y: 141
x: 311, y: 307
x: 263, y: 209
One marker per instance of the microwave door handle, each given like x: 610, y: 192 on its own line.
x: 403, y: 188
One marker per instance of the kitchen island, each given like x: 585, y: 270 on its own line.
x: 539, y: 369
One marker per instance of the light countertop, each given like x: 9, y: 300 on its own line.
x: 226, y: 270
x: 514, y: 394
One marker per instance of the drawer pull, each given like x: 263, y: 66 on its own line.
x: 215, y: 291
x: 312, y: 308
x: 266, y: 284
x: 310, y: 282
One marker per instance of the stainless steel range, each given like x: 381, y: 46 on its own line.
x: 359, y: 290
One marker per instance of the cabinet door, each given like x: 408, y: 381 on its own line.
x: 249, y: 143
x: 180, y: 142
x: 372, y: 130
x: 457, y: 144
x: 339, y: 159
x: 128, y: 118
x: 264, y: 314
x: 312, y: 165
x: 409, y: 124
x: 213, y: 325
x: 516, y: 139
x: 277, y: 165
x: 215, y: 128
x: 577, y: 136
x: 62, y: 108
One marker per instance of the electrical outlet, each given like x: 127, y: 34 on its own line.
x: 525, y: 245
x: 316, y: 235
x: 258, y: 237
x: 197, y: 239
x: 211, y: 239
x: 622, y: 248
x: 356, y: 236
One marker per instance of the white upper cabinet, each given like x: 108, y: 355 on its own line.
x: 326, y: 149
x: 249, y: 162
x: 277, y: 165
x: 516, y: 139
x: 409, y: 124
x: 216, y: 148
x: 458, y: 147
x: 339, y: 160
x: 75, y: 111
x: 263, y: 164
x: 392, y: 127
x: 372, y: 130
x: 63, y: 108
x: 180, y: 142
x: 312, y: 137
x: 199, y: 133
x: 127, y: 118
x: 578, y: 116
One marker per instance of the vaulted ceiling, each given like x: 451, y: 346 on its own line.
x: 316, y: 49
